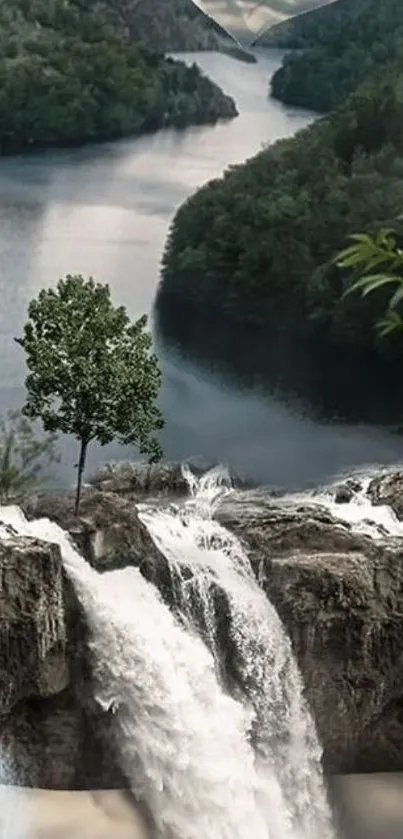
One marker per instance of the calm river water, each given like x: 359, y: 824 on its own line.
x: 105, y: 210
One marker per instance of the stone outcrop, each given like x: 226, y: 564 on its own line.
x: 387, y: 489
x: 51, y: 732
x: 33, y: 631
x: 140, y: 480
x: 340, y: 596
x: 338, y: 592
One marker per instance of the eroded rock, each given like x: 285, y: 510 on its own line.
x: 339, y: 594
x: 107, y: 531
x: 33, y: 632
x: 387, y: 489
x: 140, y: 479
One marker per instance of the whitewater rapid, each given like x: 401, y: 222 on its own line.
x: 205, y: 764
x: 202, y: 557
x: 374, y: 520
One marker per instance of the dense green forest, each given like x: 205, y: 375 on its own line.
x: 67, y: 75
x: 256, y: 248
x: 343, y: 44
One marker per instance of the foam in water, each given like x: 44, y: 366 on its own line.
x: 185, y: 745
x: 364, y: 517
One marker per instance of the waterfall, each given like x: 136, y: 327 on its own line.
x: 204, y: 556
x: 206, y: 764
x: 372, y: 520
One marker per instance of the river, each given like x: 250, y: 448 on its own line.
x: 105, y: 210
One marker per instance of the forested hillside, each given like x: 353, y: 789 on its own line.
x: 346, y: 42
x: 164, y: 26
x: 317, y: 26
x: 68, y: 75
x: 256, y: 247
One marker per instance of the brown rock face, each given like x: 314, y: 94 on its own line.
x: 388, y: 489
x: 340, y: 596
x: 33, y: 636
x: 51, y: 733
x: 140, y: 480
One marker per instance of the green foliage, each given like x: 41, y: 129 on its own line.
x: 69, y: 75
x: 256, y: 247
x: 91, y: 372
x: 347, y: 42
x: 381, y: 252
x: 22, y: 456
x: 318, y: 26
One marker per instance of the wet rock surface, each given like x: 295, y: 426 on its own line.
x: 340, y: 596
x: 388, y: 489
x: 338, y: 592
x: 33, y: 627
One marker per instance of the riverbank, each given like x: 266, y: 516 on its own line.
x: 105, y: 210
x: 72, y: 76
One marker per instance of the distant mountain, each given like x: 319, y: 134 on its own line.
x: 343, y: 45
x: 166, y: 25
x: 246, y: 19
x: 319, y: 25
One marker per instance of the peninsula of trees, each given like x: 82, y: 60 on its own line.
x: 342, y: 45
x: 70, y: 74
x: 256, y: 248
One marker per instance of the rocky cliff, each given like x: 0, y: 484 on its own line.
x: 339, y: 593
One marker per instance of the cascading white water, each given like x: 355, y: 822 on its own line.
x: 363, y: 516
x: 288, y: 753
x: 183, y: 742
x: 206, y: 765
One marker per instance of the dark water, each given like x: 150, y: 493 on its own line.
x: 105, y: 210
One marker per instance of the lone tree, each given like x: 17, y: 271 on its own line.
x: 92, y: 373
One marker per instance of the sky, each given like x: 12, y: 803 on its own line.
x: 247, y: 18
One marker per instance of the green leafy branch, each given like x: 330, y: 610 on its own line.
x: 379, y: 262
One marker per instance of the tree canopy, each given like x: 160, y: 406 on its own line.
x: 91, y: 371
x: 343, y: 44
x: 378, y: 261
x: 256, y: 247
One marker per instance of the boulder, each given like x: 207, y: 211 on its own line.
x: 387, y: 489
x: 107, y: 531
x: 344, y: 493
x: 141, y: 479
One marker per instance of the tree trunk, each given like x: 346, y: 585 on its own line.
x: 81, y: 467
